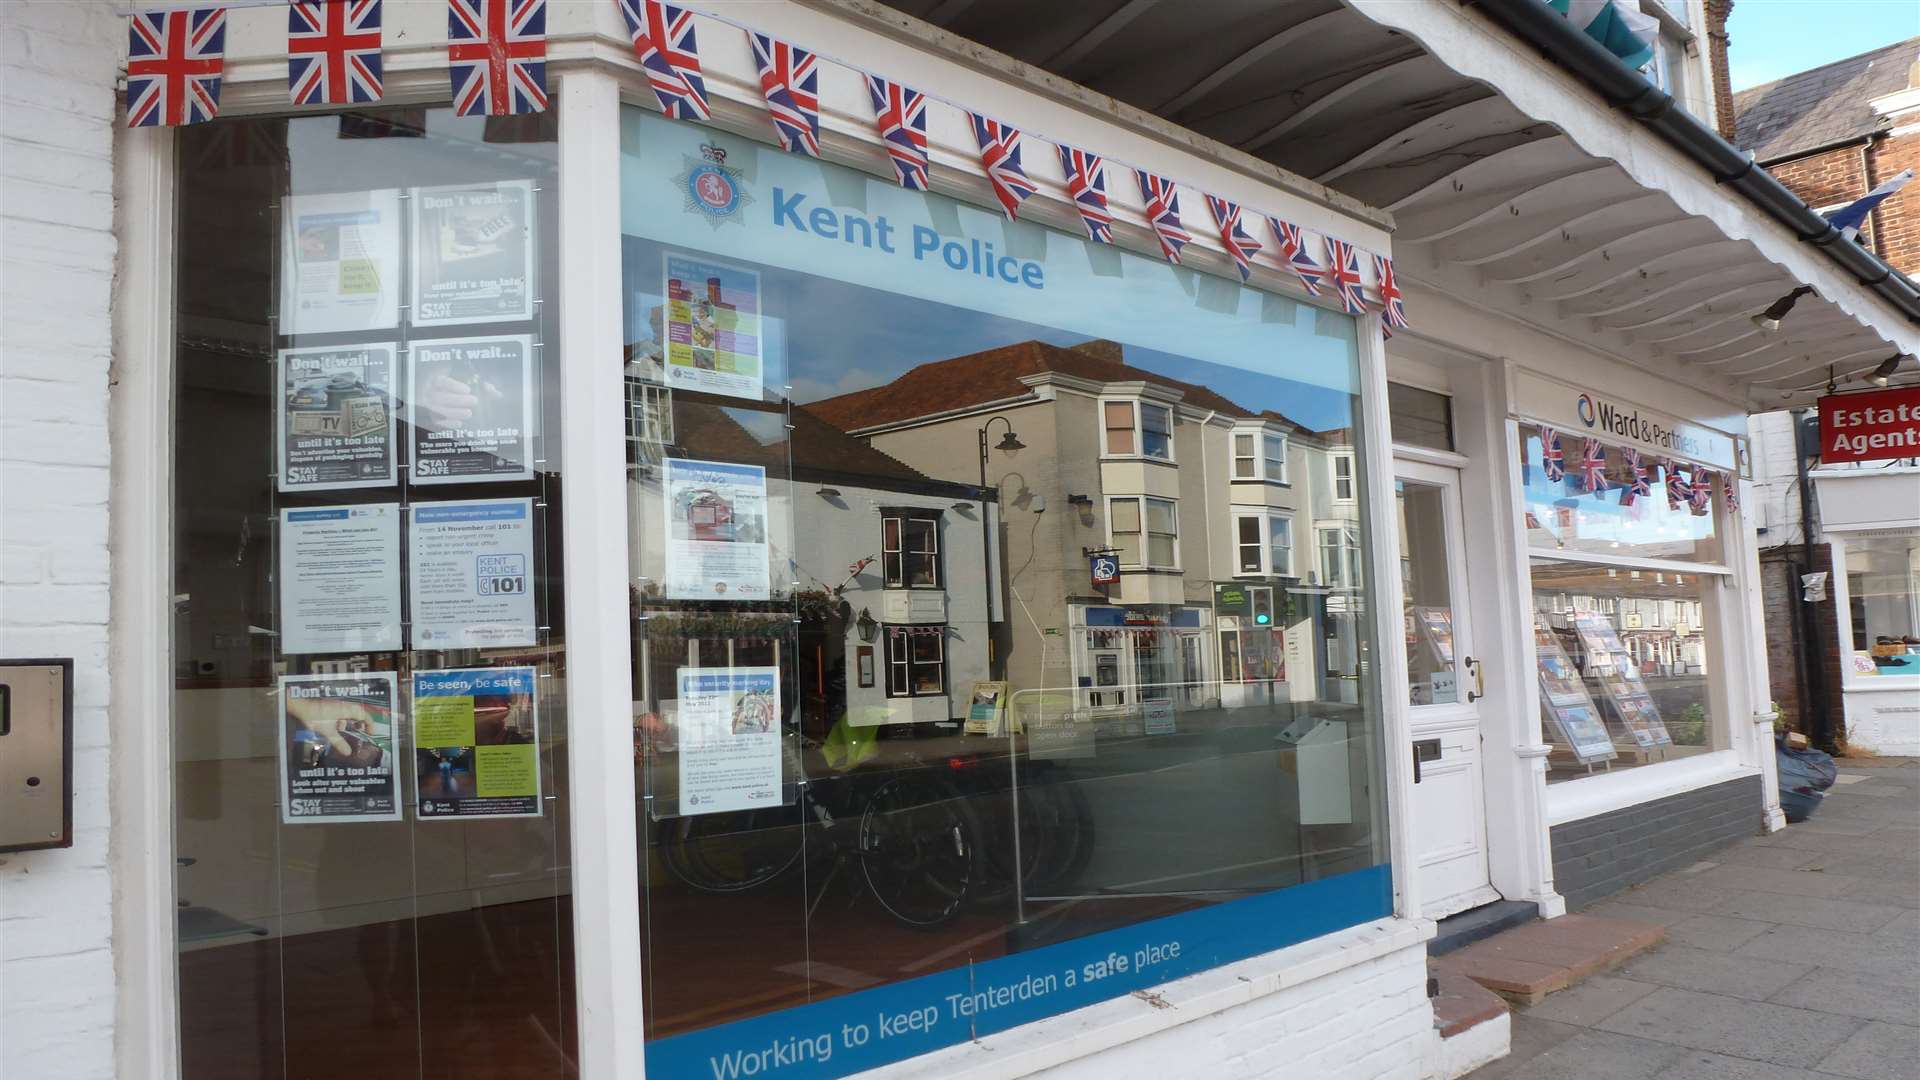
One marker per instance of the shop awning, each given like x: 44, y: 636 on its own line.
x: 1513, y: 184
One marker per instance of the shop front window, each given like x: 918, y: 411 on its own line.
x: 369, y: 737
x: 1627, y: 600
x: 1883, y: 601
x: 921, y: 757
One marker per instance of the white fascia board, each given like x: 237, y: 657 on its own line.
x: 1477, y: 49
x: 874, y: 38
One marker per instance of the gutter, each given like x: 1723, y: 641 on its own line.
x: 1628, y: 91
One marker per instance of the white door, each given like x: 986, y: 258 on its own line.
x: 1449, y: 802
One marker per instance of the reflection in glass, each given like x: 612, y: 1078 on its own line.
x: 1654, y: 521
x: 1428, y: 594
x: 1049, y: 749
x: 1883, y: 598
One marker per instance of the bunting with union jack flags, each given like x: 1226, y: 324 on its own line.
x: 663, y: 39
x: 1087, y: 187
x: 333, y: 52
x: 1343, y: 267
x: 1293, y: 251
x: 1240, y: 244
x: 900, y: 113
x: 1393, y: 306
x: 1162, y: 197
x: 1000, y: 157
x: 1679, y: 492
x: 1553, y: 463
x: 1593, y: 467
x: 497, y: 56
x: 174, y: 63
x: 790, y: 79
x: 1638, y: 485
x: 1730, y: 492
x: 1700, y: 496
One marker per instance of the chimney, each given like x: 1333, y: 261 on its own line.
x: 1717, y: 44
x: 1101, y: 349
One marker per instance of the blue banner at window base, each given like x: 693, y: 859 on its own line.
x: 902, y: 1020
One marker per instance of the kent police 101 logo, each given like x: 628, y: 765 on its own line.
x: 714, y: 190
x: 1588, y: 415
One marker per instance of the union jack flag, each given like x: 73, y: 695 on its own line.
x: 174, y: 63
x: 497, y: 56
x: 1700, y: 498
x: 790, y: 79
x: 1637, y: 485
x: 1239, y: 243
x: 1087, y: 187
x: 1000, y: 156
x: 1293, y: 252
x: 1730, y: 491
x: 663, y: 39
x: 1162, y: 197
x: 1343, y: 267
x: 1679, y: 492
x: 1393, y: 308
x: 1593, y: 467
x: 1552, y: 462
x: 901, y: 115
x: 333, y: 52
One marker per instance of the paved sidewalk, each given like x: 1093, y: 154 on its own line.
x: 1794, y: 956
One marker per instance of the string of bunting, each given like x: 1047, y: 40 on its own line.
x: 496, y: 60
x: 1693, y: 490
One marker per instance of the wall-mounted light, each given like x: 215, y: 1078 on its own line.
x: 1880, y: 375
x: 962, y: 507
x: 1080, y: 500
x: 1769, y: 320
x: 865, y: 624
x: 828, y: 493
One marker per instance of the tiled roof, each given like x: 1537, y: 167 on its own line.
x: 1820, y: 106
x: 994, y: 375
x: 711, y: 433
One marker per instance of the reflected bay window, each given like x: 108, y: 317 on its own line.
x: 1145, y: 531
x: 1340, y: 556
x: 1260, y: 456
x: 916, y: 661
x: 1138, y: 428
x: 910, y: 550
x: 1263, y: 544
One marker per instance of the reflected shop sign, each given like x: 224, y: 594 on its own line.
x: 890, y: 1023
x: 1878, y: 425
x: 1588, y: 411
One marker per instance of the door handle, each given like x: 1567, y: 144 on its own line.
x: 1479, y: 681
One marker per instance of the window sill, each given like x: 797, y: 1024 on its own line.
x: 1072, y: 1036
x: 1144, y: 459
x: 1264, y: 481
x: 1882, y: 684
x: 1591, y: 796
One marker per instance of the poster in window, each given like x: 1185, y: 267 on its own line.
x: 473, y: 253
x: 340, y: 579
x: 470, y: 581
x: 713, y: 329
x: 337, y: 749
x: 340, y: 262
x: 716, y: 526
x: 1573, y: 720
x: 471, y: 406
x: 476, y: 739
x: 729, y: 739
x: 336, y: 423
x: 1436, y: 626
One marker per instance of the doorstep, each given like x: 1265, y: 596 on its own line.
x: 1525, y: 964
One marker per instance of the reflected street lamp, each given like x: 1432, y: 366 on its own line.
x: 1009, y: 445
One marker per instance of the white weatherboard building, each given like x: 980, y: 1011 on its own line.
x: 737, y: 829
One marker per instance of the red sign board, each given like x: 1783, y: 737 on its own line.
x: 1879, y: 425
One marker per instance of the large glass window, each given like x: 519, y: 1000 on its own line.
x: 370, y: 742
x: 1627, y: 593
x: 1883, y: 600
x: 863, y: 799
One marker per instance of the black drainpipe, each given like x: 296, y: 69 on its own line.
x: 1818, y: 720
x: 1630, y: 92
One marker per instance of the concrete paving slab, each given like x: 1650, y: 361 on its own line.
x: 1876, y: 1052
x: 1732, y: 1026
x: 1531, y: 1039
x: 1678, y: 893
x: 1849, y: 993
x: 1751, y: 853
x: 1887, y: 891
x: 1746, y: 977
x: 1904, y: 929
x: 1863, y: 954
x: 1790, y: 882
x: 1602, y: 1055
x: 1809, y: 911
x: 1700, y: 1065
x: 1622, y: 909
x: 1719, y: 933
x: 1592, y: 1001
x: 1855, y: 864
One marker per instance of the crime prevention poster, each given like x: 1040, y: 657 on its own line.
x: 729, y: 739
x: 713, y: 333
x: 476, y: 743
x: 716, y: 524
x: 470, y: 403
x: 340, y: 262
x: 471, y: 584
x: 473, y: 253
x: 337, y: 749
x: 336, y: 420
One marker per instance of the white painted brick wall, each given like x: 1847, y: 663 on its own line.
x: 58, y: 62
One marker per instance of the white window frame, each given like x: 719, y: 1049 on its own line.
x: 1351, y: 479
x: 1135, y: 407
x: 903, y: 551
x: 1261, y: 459
x: 898, y: 649
x: 1266, y: 516
x: 1348, y: 554
x: 1146, y: 557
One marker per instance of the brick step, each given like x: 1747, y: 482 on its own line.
x: 1525, y: 964
x: 1462, y: 1004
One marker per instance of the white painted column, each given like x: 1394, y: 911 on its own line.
x: 606, y: 887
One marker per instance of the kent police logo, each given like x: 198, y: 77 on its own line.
x: 714, y: 191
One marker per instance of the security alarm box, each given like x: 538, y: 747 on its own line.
x: 36, y: 754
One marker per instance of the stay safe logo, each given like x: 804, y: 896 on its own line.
x: 713, y: 189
